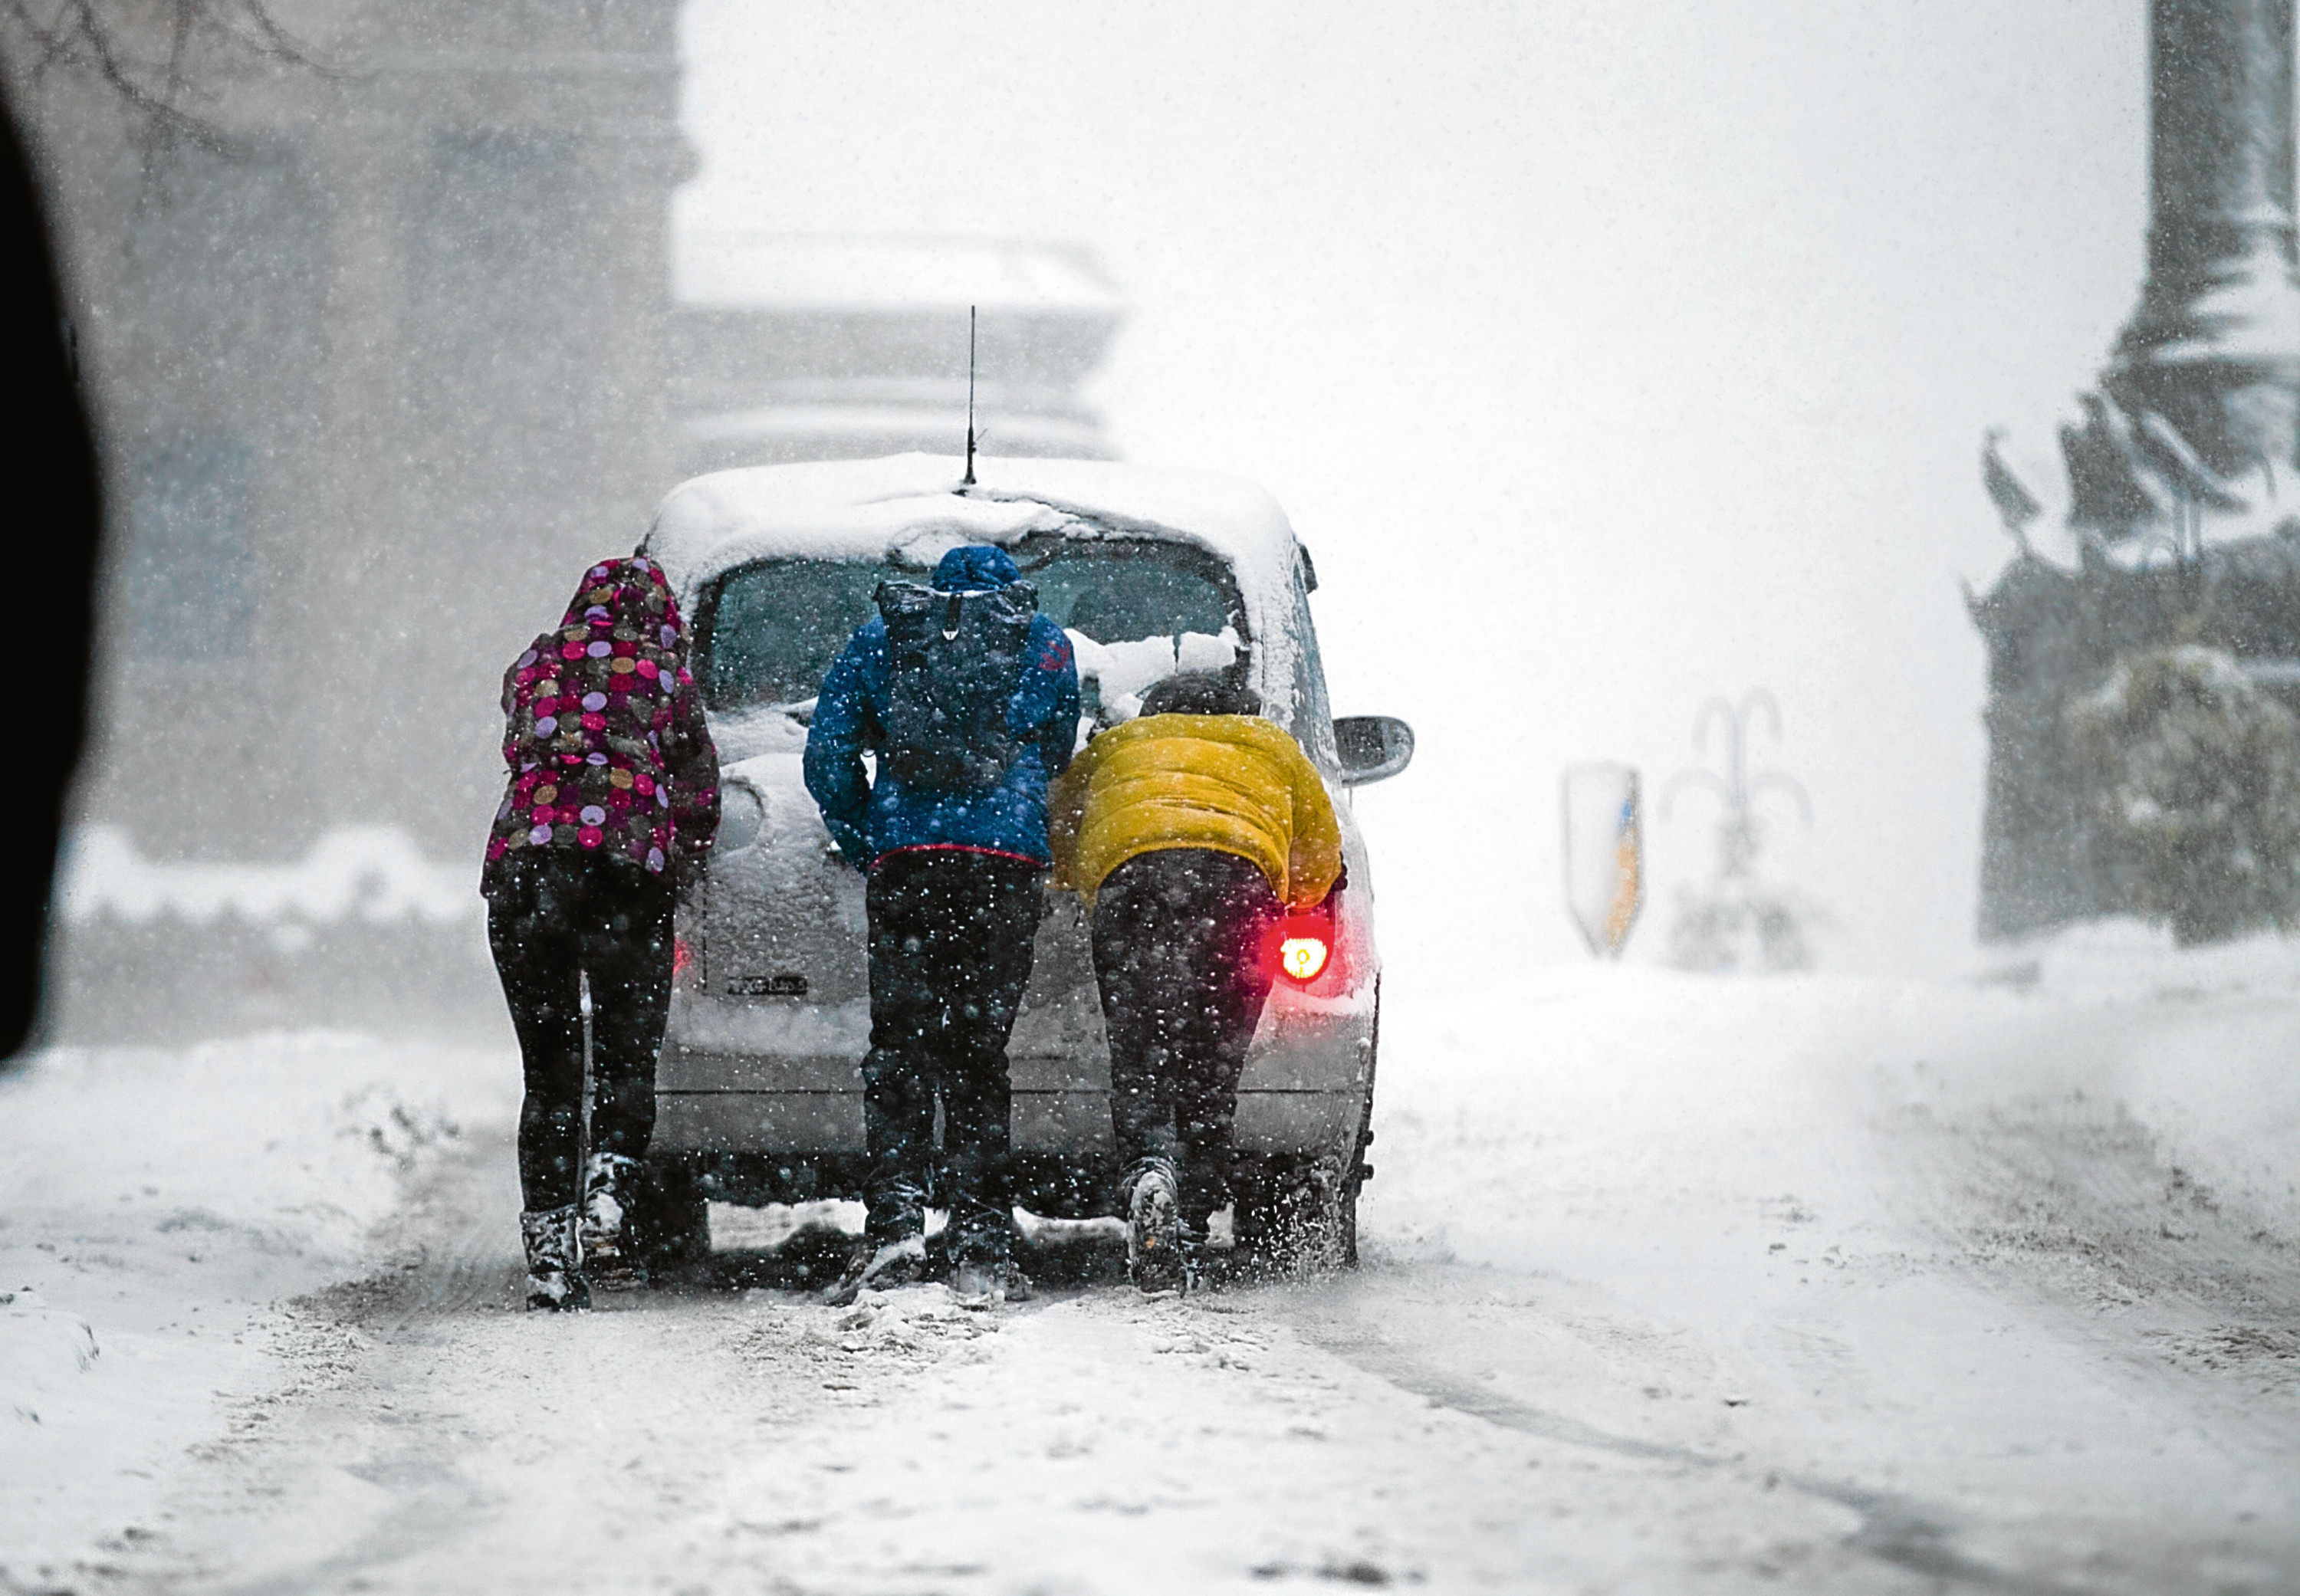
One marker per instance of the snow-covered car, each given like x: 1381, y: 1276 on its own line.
x: 759, y: 1093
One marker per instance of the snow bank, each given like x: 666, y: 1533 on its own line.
x: 372, y: 873
x: 156, y: 1208
x: 362, y: 934
x: 2206, y: 1052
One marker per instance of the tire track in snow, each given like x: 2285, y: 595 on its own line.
x: 451, y: 1409
x: 1895, y: 1529
x: 457, y: 1234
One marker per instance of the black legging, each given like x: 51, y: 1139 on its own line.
x: 555, y: 915
x: 1179, y: 953
x: 952, y: 935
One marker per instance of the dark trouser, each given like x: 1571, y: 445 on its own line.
x: 1179, y: 953
x: 553, y: 914
x: 952, y: 935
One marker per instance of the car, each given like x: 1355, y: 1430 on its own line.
x: 759, y: 1092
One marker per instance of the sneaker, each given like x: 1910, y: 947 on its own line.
x: 609, y: 1181
x: 1153, y: 1228
x: 553, y: 1283
x: 899, y: 1262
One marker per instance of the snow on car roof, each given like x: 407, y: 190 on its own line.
x: 909, y: 509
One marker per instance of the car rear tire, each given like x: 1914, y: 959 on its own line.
x: 671, y: 1225
x: 1298, y: 1215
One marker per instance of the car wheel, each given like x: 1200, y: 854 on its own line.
x: 671, y: 1223
x: 1299, y: 1215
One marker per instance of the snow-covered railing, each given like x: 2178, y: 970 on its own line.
x: 370, y: 873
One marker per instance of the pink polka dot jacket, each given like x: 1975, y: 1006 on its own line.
x: 605, y: 734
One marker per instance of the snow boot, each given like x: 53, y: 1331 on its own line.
x: 899, y: 1262
x: 554, y: 1285
x: 1154, y: 1259
x: 609, y: 1259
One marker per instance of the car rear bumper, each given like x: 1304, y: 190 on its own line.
x: 786, y: 1078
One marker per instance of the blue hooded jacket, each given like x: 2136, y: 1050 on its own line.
x: 867, y: 821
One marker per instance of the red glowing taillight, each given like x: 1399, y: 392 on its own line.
x: 681, y: 955
x: 1301, y: 955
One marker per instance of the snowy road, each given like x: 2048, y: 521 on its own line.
x: 1671, y: 1284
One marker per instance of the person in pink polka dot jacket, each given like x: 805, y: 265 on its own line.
x: 611, y: 806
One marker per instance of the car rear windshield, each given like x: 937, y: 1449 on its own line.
x: 770, y: 630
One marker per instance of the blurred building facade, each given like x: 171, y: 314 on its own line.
x: 380, y: 356
x: 386, y: 345
x: 2169, y: 513
x: 787, y: 347
x: 397, y: 339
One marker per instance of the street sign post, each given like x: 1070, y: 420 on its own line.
x: 1605, y: 853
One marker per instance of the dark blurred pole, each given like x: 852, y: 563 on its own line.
x: 47, y: 462
x: 2214, y: 346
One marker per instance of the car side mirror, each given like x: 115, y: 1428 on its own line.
x: 1373, y: 747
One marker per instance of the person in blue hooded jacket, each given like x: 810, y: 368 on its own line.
x: 956, y: 873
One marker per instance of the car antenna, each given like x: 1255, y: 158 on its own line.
x: 969, y: 480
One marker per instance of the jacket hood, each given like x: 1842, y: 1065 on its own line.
x: 973, y: 569
x: 626, y: 595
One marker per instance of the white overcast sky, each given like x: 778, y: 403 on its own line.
x: 1607, y: 357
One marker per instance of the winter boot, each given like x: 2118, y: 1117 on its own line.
x: 1154, y: 1228
x: 609, y: 1259
x: 554, y: 1285
x: 899, y: 1262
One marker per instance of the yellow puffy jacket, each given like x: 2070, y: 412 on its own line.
x: 1237, y: 784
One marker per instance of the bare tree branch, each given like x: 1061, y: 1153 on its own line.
x: 197, y: 41
x: 264, y: 32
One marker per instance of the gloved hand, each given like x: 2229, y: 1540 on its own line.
x: 688, y: 869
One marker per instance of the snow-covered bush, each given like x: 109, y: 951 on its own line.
x: 2194, y: 776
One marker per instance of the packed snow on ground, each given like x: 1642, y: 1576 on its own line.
x: 1671, y: 1281
x: 155, y: 1205
x: 1894, y: 1212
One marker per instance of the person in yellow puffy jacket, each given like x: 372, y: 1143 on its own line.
x: 1191, y: 830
